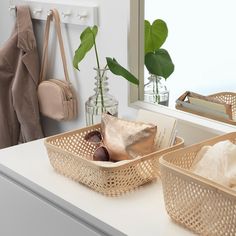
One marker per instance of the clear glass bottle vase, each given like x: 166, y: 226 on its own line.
x: 101, y: 102
x: 155, y: 91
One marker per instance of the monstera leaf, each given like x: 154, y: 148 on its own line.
x: 155, y: 35
x: 87, y: 39
x: 159, y: 63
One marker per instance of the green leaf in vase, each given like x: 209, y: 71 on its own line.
x: 159, y: 63
x: 155, y: 35
x: 117, y: 69
x: 87, y: 39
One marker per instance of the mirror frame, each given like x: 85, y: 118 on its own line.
x: 135, y: 41
x: 136, y: 66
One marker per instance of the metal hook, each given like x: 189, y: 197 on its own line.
x: 12, y: 7
x: 49, y: 13
x: 37, y: 11
x: 83, y: 15
x: 66, y: 14
x: 12, y: 10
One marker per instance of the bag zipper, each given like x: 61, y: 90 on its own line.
x: 68, y: 93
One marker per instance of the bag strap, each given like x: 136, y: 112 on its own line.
x: 54, y: 14
x: 45, y: 48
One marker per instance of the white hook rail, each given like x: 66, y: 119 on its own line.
x: 85, y: 14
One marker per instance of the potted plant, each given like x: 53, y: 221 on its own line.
x: 157, y: 61
x: 101, y: 101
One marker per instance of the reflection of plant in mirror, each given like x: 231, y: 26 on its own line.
x: 157, y: 60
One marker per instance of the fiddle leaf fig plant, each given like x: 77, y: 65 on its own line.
x: 157, y: 60
x: 88, y: 41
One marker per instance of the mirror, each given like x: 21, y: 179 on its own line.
x: 201, y: 42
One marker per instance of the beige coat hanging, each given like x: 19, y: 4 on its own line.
x: 19, y: 73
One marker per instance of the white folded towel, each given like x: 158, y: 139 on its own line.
x: 217, y: 163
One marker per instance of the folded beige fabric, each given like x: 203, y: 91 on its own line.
x: 217, y: 163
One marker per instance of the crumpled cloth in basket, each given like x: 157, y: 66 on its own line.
x: 217, y: 163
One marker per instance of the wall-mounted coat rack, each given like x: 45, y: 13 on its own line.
x: 70, y: 14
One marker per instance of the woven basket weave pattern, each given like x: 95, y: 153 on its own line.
x: 69, y: 154
x: 226, y: 97
x: 229, y: 98
x: 197, y: 203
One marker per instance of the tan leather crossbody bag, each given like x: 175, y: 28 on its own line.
x: 57, y: 98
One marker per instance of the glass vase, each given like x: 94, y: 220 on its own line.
x: 155, y: 91
x: 101, y: 102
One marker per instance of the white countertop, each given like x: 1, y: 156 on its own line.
x: 140, y: 212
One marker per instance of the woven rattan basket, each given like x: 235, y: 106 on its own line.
x: 71, y: 155
x: 226, y: 97
x: 199, y: 204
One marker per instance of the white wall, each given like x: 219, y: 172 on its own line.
x: 201, y: 42
x: 112, y: 41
